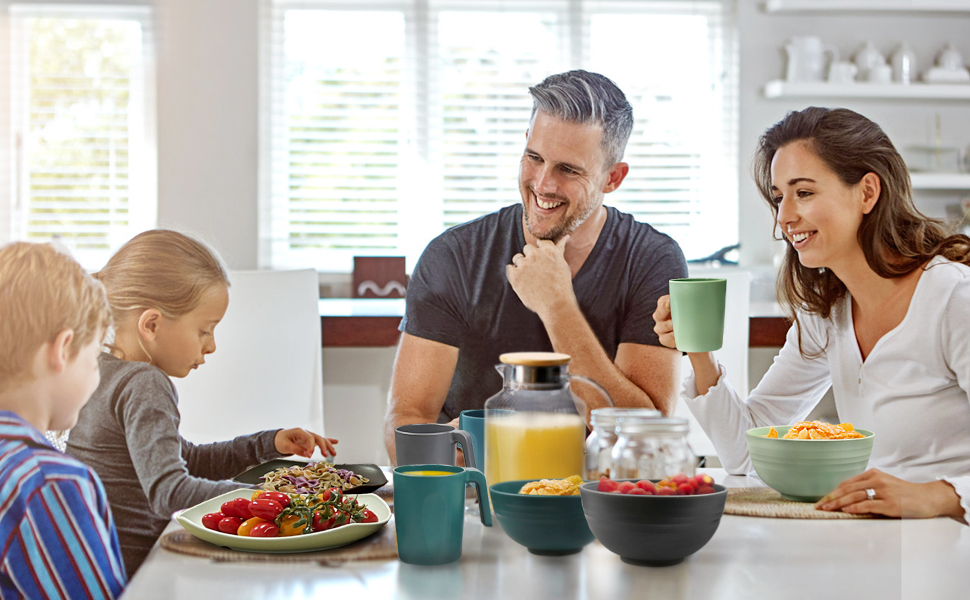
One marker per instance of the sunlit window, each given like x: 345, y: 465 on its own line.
x: 82, y: 117
x: 386, y: 122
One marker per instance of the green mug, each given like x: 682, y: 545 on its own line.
x: 429, y: 511
x: 697, y: 310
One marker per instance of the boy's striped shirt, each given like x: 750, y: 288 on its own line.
x: 57, y: 537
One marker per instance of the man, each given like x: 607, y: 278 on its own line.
x: 560, y: 272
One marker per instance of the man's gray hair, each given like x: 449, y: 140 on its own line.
x: 589, y: 99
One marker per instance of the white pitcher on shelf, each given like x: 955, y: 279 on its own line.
x: 904, y: 64
x: 807, y: 58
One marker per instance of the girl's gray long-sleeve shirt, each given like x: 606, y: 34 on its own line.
x: 128, y: 432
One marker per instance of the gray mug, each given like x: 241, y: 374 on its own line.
x: 432, y: 444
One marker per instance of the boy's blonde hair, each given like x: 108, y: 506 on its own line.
x: 161, y: 269
x: 42, y: 293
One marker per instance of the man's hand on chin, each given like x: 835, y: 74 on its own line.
x: 541, y: 277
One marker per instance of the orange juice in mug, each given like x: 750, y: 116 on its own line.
x: 534, y: 445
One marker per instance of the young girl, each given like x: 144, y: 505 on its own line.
x: 880, y: 296
x: 167, y: 293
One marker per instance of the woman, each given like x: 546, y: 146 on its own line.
x: 880, y: 298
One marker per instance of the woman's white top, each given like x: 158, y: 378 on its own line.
x: 913, y: 390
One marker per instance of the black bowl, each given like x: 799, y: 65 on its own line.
x: 254, y: 475
x: 654, y: 531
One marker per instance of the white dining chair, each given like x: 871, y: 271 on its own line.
x: 266, y: 372
x: 733, y: 353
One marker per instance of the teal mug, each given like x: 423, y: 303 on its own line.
x: 473, y: 421
x: 429, y: 511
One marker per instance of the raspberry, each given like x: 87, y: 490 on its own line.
x: 646, y: 485
x: 626, y: 486
x: 638, y: 492
x: 679, y: 478
x: 705, y: 489
x: 685, y: 489
x: 607, y: 485
x: 665, y: 491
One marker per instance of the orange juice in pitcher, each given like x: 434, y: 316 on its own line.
x: 535, y: 428
x: 534, y: 446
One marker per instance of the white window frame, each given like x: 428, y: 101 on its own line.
x: 142, y: 185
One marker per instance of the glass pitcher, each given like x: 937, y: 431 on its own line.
x: 535, y: 428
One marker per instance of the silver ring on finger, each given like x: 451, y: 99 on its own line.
x: 870, y: 494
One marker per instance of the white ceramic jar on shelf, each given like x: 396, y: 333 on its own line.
x: 868, y: 58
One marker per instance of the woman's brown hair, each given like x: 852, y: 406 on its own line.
x: 895, y: 237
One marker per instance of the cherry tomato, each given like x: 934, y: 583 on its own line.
x: 321, y: 522
x: 369, y: 516
x: 279, y: 497
x: 242, y: 508
x: 265, y: 509
x: 228, y: 509
x: 211, y: 520
x: 247, y: 526
x: 331, y: 492
x: 288, y: 526
x: 341, y: 518
x: 230, y: 524
x: 266, y: 529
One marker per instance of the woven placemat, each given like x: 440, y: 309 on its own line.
x: 766, y: 502
x: 381, y: 545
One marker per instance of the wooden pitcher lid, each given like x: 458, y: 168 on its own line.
x: 535, y: 359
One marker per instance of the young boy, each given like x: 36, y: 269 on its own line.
x: 57, y: 537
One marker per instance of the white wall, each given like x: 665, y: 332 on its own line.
x: 208, y: 122
x: 905, y: 121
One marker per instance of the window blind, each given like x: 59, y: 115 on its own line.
x: 386, y: 122
x: 82, y: 126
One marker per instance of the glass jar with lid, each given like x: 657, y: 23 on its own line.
x: 599, y: 443
x: 652, y: 448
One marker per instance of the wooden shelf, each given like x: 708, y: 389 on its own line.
x: 940, y: 181
x: 909, y: 6
x: 890, y: 91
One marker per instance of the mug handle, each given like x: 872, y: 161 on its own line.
x: 477, y: 478
x: 464, y: 439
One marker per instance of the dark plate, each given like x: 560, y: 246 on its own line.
x: 373, y: 473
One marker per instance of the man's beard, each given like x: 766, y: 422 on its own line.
x: 563, y: 228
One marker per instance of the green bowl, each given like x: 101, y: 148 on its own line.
x: 806, y: 470
x: 545, y: 525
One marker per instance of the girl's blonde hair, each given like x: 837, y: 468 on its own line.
x: 161, y: 269
x: 42, y: 293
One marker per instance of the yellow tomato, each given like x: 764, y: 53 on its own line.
x: 288, y: 528
x: 248, y: 525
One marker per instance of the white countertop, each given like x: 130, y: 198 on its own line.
x: 748, y: 558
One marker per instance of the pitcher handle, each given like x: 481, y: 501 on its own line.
x: 464, y: 439
x: 598, y: 388
x: 477, y: 478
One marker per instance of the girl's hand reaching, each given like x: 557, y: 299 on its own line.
x: 302, y: 442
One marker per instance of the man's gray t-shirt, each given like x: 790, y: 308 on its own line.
x: 459, y: 295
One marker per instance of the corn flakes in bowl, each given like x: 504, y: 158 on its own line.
x: 545, y: 523
x: 811, y: 462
